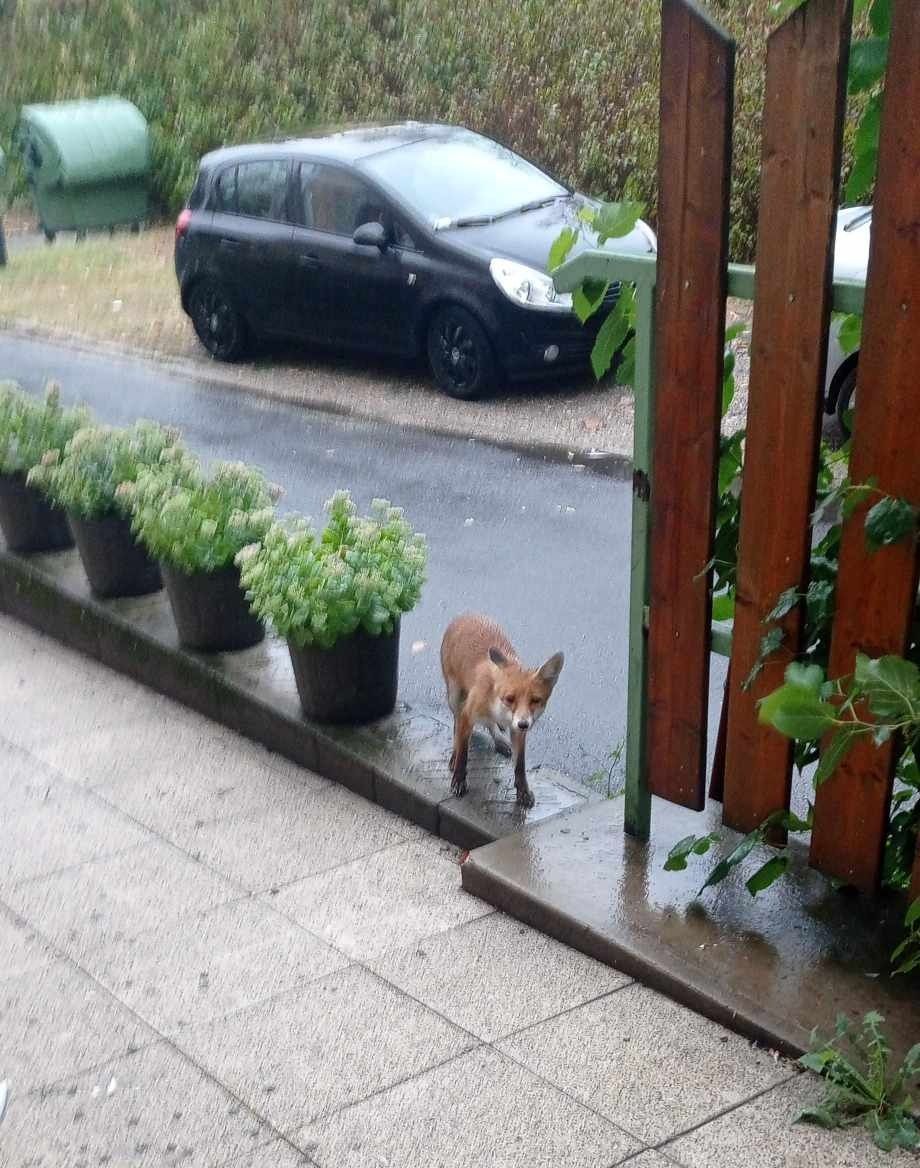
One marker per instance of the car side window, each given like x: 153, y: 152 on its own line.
x: 223, y: 197
x: 261, y: 189
x: 338, y: 202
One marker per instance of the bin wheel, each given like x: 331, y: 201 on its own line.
x: 135, y: 228
x: 49, y: 235
x: 80, y: 236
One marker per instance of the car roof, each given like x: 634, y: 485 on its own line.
x: 348, y: 144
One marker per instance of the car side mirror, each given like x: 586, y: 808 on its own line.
x: 371, y: 235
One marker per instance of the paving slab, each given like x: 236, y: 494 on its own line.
x: 49, y: 824
x: 381, y: 903
x: 478, y: 1110
x: 689, y: 1067
x: 761, y: 1134
x: 147, y: 1110
x: 54, y: 1022
x: 205, y: 965
x: 494, y: 975
x: 399, y: 762
x: 334, y: 1042
x: 121, y: 896
x: 770, y: 968
x: 277, y: 1154
x: 22, y: 950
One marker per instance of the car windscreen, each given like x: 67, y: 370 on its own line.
x: 445, y: 181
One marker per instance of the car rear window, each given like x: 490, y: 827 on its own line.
x: 258, y: 190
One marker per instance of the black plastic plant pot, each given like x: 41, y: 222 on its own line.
x: 115, y: 563
x: 355, y: 681
x: 28, y: 521
x: 211, y: 611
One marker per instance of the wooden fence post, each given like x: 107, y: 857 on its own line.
x: 694, y: 161
x: 803, y: 116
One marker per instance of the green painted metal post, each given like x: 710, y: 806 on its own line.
x: 638, y: 811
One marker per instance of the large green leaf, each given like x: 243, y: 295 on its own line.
x: 588, y: 298
x: 691, y: 845
x: 562, y: 245
x: 835, y: 752
x: 889, y: 521
x: 797, y: 711
x: 767, y: 874
x: 723, y: 607
x: 733, y: 859
x: 850, y: 335
x: 891, y: 686
x: 610, y: 338
x: 614, y: 220
x: 880, y: 18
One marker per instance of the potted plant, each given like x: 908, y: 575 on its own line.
x: 337, y: 598
x: 28, y: 427
x: 195, y: 524
x: 84, y: 479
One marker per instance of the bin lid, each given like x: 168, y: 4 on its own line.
x: 72, y: 143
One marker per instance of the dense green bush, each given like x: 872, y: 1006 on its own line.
x: 571, y: 83
x: 85, y: 475
x: 359, y: 573
x: 29, y: 426
x: 194, y: 521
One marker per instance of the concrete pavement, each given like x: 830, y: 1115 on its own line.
x: 210, y: 957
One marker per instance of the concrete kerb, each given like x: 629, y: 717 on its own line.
x: 399, y: 763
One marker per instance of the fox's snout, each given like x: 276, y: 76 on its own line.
x: 524, y: 723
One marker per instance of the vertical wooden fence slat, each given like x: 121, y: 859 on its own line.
x: 694, y: 160
x: 876, y: 591
x: 803, y: 115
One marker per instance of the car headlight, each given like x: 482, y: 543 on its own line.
x: 529, y: 288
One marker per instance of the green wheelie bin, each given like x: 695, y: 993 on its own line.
x: 87, y: 164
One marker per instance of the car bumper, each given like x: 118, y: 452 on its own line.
x: 538, y: 344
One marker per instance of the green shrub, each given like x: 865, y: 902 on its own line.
x: 29, y: 426
x: 197, y: 522
x: 85, y: 476
x: 572, y: 84
x: 360, y: 573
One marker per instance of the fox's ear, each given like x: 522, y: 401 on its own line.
x: 497, y: 657
x: 551, y: 670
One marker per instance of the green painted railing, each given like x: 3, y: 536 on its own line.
x: 640, y: 270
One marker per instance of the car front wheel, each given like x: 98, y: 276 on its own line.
x: 846, y: 403
x: 460, y: 353
x: 218, y: 324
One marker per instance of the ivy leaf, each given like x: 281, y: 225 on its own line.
x: 766, y: 875
x: 835, y: 752
x: 889, y: 521
x: 891, y: 686
x: 614, y: 220
x: 588, y: 298
x: 880, y: 18
x: 785, y: 604
x: 723, y: 607
x: 626, y: 370
x: 868, y: 61
x: 690, y: 845
x: 769, y: 643
x: 562, y: 245
x: 797, y: 711
x: 741, y: 852
x: 850, y: 335
x: 807, y: 676
x: 862, y: 176
x: 610, y: 338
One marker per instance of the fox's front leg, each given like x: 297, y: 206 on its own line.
x: 524, y: 793
x: 463, y: 728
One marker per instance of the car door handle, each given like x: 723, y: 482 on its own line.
x: 230, y: 244
x: 308, y: 260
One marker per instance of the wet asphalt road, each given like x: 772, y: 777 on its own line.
x: 543, y: 548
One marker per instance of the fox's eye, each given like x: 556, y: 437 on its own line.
x: 536, y: 701
x: 509, y: 699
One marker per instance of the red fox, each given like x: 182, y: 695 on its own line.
x: 487, y: 685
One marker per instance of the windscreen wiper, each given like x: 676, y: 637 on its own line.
x: 484, y: 220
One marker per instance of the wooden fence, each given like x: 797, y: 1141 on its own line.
x: 876, y: 591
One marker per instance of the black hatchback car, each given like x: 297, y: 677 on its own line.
x: 408, y: 239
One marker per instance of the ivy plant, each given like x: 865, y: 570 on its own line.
x: 85, y: 476
x: 317, y: 588
x: 29, y: 426
x: 198, y: 522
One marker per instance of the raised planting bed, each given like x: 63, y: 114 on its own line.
x: 399, y: 761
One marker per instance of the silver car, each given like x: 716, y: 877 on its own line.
x: 851, y: 262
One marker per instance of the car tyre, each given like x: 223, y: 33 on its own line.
x: 846, y: 401
x: 218, y: 324
x: 460, y: 353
